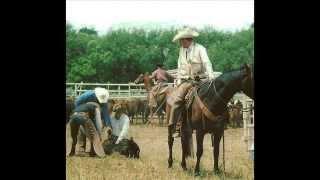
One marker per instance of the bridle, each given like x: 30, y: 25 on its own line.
x: 217, y: 94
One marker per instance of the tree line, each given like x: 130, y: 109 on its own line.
x: 119, y: 56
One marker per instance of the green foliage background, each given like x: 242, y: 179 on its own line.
x: 121, y: 55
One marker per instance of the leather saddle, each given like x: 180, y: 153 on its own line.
x: 192, y: 96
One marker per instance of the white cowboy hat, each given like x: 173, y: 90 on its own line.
x: 185, y: 33
x: 102, y: 94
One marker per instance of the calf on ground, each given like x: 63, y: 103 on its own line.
x: 126, y: 147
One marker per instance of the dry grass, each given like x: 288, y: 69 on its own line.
x: 153, y: 159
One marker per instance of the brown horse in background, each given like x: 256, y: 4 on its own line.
x: 69, y: 107
x: 133, y: 107
x: 235, y: 113
x: 160, y: 99
x: 213, y: 96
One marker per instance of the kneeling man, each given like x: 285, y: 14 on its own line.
x: 119, y: 142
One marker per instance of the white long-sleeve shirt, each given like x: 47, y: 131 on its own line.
x: 120, y: 127
x: 194, y: 60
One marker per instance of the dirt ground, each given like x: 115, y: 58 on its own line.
x: 153, y: 164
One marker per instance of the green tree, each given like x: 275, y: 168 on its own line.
x: 121, y: 55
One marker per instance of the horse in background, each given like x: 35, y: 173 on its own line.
x: 236, y: 115
x: 160, y: 97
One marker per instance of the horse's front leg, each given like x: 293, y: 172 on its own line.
x: 74, y: 134
x: 199, y: 136
x: 160, y: 116
x: 146, y: 114
x: 183, y: 158
x: 216, y: 146
x: 170, y: 144
x: 92, y: 153
x: 162, y: 119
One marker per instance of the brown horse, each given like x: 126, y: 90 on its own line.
x: 212, y: 96
x: 69, y: 107
x: 131, y: 106
x: 160, y: 99
x: 235, y: 115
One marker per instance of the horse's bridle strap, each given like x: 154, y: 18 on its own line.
x: 204, y: 109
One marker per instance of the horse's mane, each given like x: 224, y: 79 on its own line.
x: 218, y: 83
x: 206, y: 89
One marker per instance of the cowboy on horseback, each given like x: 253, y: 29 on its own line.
x: 193, y: 66
x: 162, y: 78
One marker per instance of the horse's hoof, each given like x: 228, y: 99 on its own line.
x: 170, y: 163
x: 197, y: 173
x: 72, y: 153
x: 217, y: 171
x: 183, y: 166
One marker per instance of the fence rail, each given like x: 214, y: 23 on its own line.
x: 120, y: 90
x: 115, y: 90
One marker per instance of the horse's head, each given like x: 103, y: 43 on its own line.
x: 247, y: 80
x: 139, y: 79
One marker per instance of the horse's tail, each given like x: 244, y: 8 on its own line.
x: 189, y: 144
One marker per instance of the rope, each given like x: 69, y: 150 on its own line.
x: 157, y: 109
x: 224, y: 164
x: 161, y: 105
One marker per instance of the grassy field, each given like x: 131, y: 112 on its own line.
x: 153, y: 159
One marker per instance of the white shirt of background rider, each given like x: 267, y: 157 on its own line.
x: 120, y: 127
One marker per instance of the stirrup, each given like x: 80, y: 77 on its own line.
x: 176, y: 134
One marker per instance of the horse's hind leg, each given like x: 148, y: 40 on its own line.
x: 74, y: 133
x: 200, y: 136
x: 238, y: 123
x: 146, y: 114
x: 170, y: 144
x: 83, y: 138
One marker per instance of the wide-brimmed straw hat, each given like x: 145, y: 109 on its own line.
x: 186, y: 32
x: 102, y: 94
